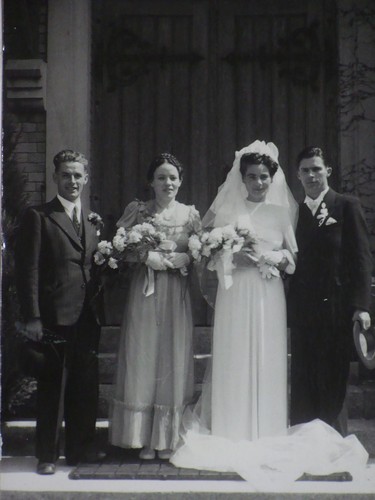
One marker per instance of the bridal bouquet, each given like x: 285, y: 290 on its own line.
x: 136, y: 241
x: 217, y: 247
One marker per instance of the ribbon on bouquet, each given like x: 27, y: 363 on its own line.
x: 149, y: 284
x: 222, y: 263
x: 165, y: 247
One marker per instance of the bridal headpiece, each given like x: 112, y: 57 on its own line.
x: 229, y: 203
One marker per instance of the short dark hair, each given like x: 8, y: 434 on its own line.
x: 258, y: 159
x: 310, y: 152
x: 159, y: 160
x: 69, y: 155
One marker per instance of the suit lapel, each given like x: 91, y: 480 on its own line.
x: 59, y: 216
x: 330, y: 201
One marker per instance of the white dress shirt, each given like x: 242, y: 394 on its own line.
x: 314, y: 204
x: 69, y: 207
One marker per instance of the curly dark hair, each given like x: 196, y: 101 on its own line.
x: 310, y: 152
x: 69, y: 155
x: 258, y: 159
x: 164, y: 158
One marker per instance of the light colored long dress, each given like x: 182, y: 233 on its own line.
x: 154, y: 378
x: 249, y: 371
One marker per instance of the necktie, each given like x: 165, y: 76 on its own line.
x: 75, y: 221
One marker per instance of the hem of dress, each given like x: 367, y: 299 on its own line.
x: 153, y: 426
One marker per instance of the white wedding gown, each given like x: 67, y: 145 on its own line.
x: 240, y: 425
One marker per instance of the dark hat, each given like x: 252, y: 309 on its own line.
x: 364, y: 341
x: 39, y: 357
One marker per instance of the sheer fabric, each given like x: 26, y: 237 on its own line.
x: 271, y: 463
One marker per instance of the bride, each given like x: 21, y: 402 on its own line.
x: 240, y: 422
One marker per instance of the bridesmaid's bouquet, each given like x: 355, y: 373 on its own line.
x: 134, y: 242
x: 217, y: 246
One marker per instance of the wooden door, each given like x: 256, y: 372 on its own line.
x: 201, y: 79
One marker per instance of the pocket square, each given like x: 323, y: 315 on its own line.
x: 330, y: 221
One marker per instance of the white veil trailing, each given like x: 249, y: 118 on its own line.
x: 229, y: 203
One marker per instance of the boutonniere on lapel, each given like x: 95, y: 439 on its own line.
x: 96, y: 221
x: 323, y: 216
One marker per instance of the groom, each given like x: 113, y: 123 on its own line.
x: 328, y: 292
x: 54, y: 251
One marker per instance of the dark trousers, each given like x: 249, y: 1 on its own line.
x: 78, y: 357
x: 319, y: 374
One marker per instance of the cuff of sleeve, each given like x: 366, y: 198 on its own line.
x: 291, y: 267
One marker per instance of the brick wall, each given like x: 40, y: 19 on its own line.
x: 25, y: 37
x: 30, y: 152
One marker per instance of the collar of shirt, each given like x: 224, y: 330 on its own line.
x: 314, y: 204
x: 69, y: 207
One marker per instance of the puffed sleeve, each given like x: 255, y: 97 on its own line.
x: 195, y: 223
x: 130, y: 216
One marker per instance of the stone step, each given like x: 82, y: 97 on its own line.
x: 18, y: 436
x: 107, y: 367
x: 110, y: 335
x: 360, y: 395
x: 360, y: 399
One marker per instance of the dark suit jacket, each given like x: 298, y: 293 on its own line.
x: 333, y: 273
x: 53, y: 265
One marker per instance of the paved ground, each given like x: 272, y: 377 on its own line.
x: 19, y: 482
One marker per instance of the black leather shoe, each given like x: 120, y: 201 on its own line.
x: 46, y: 468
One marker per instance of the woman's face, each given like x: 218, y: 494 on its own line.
x: 257, y: 180
x: 166, y: 182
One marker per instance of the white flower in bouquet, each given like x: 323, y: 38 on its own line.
x: 105, y: 247
x: 134, y: 236
x: 215, y: 237
x: 113, y: 263
x: 145, y: 228
x: 229, y: 233
x: 119, y: 241
x: 195, y: 247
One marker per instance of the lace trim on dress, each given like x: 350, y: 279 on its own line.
x: 139, y: 211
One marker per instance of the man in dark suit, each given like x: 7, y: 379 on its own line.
x: 328, y: 292
x: 54, y: 252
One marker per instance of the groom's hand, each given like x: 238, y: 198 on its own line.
x: 363, y: 317
x: 33, y: 329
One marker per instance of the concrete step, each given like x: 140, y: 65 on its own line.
x: 19, y: 482
x: 360, y: 398
x: 18, y: 436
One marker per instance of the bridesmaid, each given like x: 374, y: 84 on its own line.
x: 155, y: 379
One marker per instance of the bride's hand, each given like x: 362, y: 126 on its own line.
x: 243, y: 259
x: 276, y: 258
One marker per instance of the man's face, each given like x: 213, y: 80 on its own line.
x: 313, y: 175
x: 70, y: 179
